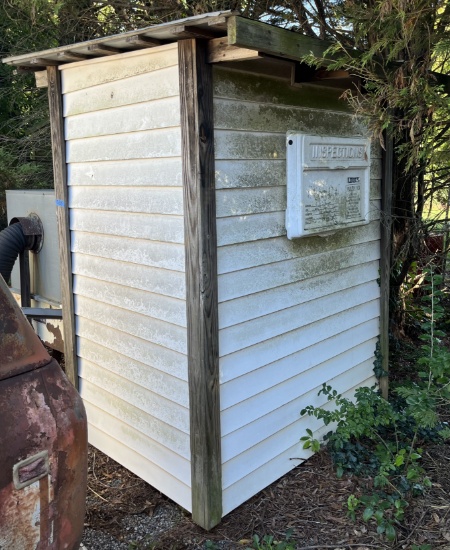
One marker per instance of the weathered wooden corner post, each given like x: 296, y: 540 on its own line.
x: 385, y: 262
x: 62, y: 217
x: 201, y: 280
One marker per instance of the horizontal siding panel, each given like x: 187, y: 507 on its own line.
x: 165, y: 434
x: 246, y: 488
x: 163, y: 172
x: 253, y: 116
x: 166, y: 385
x: 162, y: 409
x: 164, y: 142
x: 376, y: 170
x: 374, y: 210
x: 264, y: 328
x: 161, y: 456
x: 242, y: 86
x: 282, y: 404
x: 376, y: 151
x: 157, y: 357
x: 245, y: 145
x: 286, y: 435
x: 256, y: 253
x: 164, y: 308
x: 375, y: 189
x: 162, y: 113
x: 237, y: 174
x: 258, y: 174
x: 246, y: 201
x: 243, y: 361
x: 159, y: 281
x: 238, y: 202
x: 126, y: 224
x: 136, y: 89
x: 125, y: 65
x: 304, y: 370
x: 128, y: 199
x: 136, y: 251
x: 248, y: 281
x: 272, y: 470
x: 127, y: 322
x: 141, y: 466
x: 241, y: 229
x: 275, y: 299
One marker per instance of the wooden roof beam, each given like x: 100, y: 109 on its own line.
x: 101, y: 49
x: 220, y: 21
x: 255, y: 35
x: 190, y: 31
x: 38, y: 62
x: 71, y: 56
x: 220, y: 51
x: 141, y: 41
x: 274, y: 41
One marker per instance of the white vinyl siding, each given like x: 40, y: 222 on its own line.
x: 123, y: 149
x: 292, y: 314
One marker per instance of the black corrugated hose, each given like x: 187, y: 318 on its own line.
x: 12, y: 242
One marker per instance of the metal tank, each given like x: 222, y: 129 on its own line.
x: 43, y: 435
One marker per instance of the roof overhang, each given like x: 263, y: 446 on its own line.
x: 257, y: 46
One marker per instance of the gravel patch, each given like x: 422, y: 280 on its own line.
x: 136, y: 531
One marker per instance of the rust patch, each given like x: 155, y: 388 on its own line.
x: 42, y: 413
x: 11, y: 344
x: 20, y: 349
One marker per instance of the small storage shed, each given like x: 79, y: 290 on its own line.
x: 194, y: 328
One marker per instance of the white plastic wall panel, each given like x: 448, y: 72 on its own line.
x: 44, y: 267
x: 45, y: 283
x: 292, y: 314
x: 123, y: 149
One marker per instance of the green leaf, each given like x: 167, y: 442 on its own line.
x: 368, y: 513
x: 378, y: 515
x: 390, y: 532
x: 399, y: 461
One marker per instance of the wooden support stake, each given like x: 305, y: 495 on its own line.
x: 197, y: 140
x: 62, y: 218
x: 385, y: 261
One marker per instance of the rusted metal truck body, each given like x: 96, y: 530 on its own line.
x: 43, y: 434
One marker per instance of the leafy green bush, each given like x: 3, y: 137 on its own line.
x: 384, y: 439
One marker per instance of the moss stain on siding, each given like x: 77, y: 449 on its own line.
x: 247, y: 86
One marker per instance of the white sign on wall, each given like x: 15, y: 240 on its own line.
x: 327, y: 183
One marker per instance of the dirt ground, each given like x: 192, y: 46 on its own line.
x: 310, y: 501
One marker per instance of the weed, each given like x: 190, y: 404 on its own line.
x: 268, y: 542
